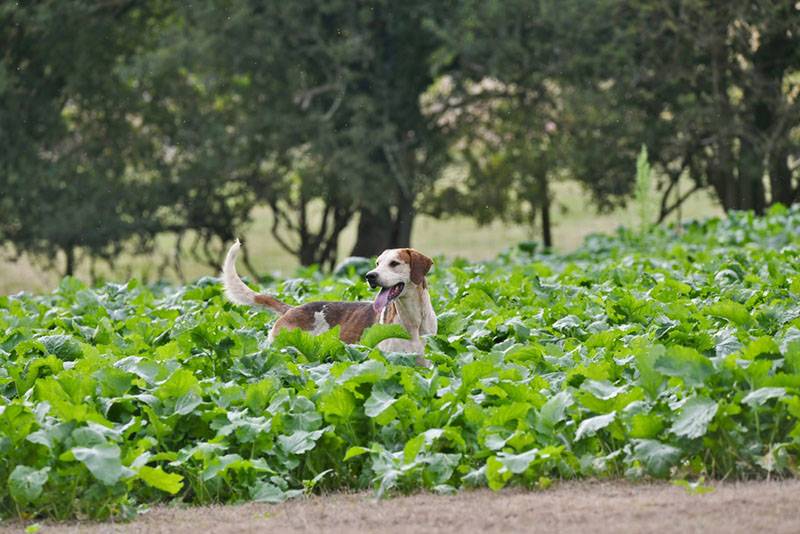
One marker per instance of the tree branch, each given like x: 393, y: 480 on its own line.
x: 677, y: 203
x: 275, y: 231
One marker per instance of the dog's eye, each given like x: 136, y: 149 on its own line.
x: 394, y: 263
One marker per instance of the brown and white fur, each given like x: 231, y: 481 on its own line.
x: 403, y: 299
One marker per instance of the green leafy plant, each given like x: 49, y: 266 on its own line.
x: 674, y: 355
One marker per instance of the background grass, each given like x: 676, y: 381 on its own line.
x: 453, y: 237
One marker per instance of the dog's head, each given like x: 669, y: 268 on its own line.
x: 395, y: 270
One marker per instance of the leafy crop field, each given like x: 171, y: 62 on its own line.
x: 675, y: 354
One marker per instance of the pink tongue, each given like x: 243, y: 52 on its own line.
x: 381, y: 300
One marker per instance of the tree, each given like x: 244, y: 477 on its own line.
x: 508, y: 147
x: 517, y: 107
x: 306, y: 107
x: 123, y: 120
x: 715, y: 87
x: 409, y: 150
x: 710, y: 89
x: 69, y: 169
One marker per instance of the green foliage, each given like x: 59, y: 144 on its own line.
x: 122, y: 121
x: 74, y: 149
x: 673, y: 355
x: 712, y: 126
x: 379, y: 332
x: 25, y: 483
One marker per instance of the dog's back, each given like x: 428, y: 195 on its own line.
x: 315, y: 317
x: 318, y: 317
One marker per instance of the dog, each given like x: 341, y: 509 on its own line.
x: 403, y: 299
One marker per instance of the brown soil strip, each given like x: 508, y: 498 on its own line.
x: 580, y: 507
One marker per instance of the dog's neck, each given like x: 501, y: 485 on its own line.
x: 413, y: 310
x: 409, y: 309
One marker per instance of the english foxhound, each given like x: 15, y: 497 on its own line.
x: 403, y: 299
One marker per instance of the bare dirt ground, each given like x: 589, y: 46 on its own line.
x: 583, y: 507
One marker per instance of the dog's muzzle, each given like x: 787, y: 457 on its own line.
x: 372, y: 279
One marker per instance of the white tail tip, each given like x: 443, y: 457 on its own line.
x: 235, y: 289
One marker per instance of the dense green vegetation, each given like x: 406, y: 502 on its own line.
x: 674, y: 354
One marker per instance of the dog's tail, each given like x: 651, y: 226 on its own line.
x: 238, y: 292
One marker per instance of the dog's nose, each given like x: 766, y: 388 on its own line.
x: 372, y: 277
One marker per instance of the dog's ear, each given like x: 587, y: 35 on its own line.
x: 420, y: 265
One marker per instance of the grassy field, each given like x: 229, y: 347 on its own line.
x: 453, y: 237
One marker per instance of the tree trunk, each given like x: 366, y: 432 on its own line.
x: 374, y: 233
x: 722, y: 177
x: 69, y: 252
x: 745, y: 192
x: 382, y: 230
x: 770, y: 62
x: 403, y: 223
x: 544, y: 208
x: 751, y: 179
x: 307, y: 255
x: 780, y: 178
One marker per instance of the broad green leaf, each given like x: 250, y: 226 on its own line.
x: 649, y: 378
x: 727, y: 342
x: 258, y: 394
x: 302, y: 340
x: 473, y: 371
x: 63, y: 346
x: 518, y: 463
x: 177, y: 385
x: 25, y: 483
x: 495, y: 442
x: 141, y: 367
x: 271, y: 493
x: 792, y: 356
x: 567, y: 323
x: 412, y: 448
x: 728, y: 309
x: 496, y: 473
x: 352, y: 452
x: 514, y: 411
x: 219, y: 465
x: 187, y: 403
x: 157, y: 478
x: 338, y: 404
x: 764, y: 345
x: 378, y: 402
x: 300, y: 441
x: 440, y: 467
x: 103, y: 461
x: 602, y: 389
x: 694, y: 417
x: 313, y: 347
x: 555, y: 409
x: 378, y: 332
x: 760, y: 396
x: 685, y: 363
x: 657, y: 457
x: 369, y: 371
x: 88, y: 437
x: 113, y: 381
x: 590, y: 426
x: 645, y: 425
